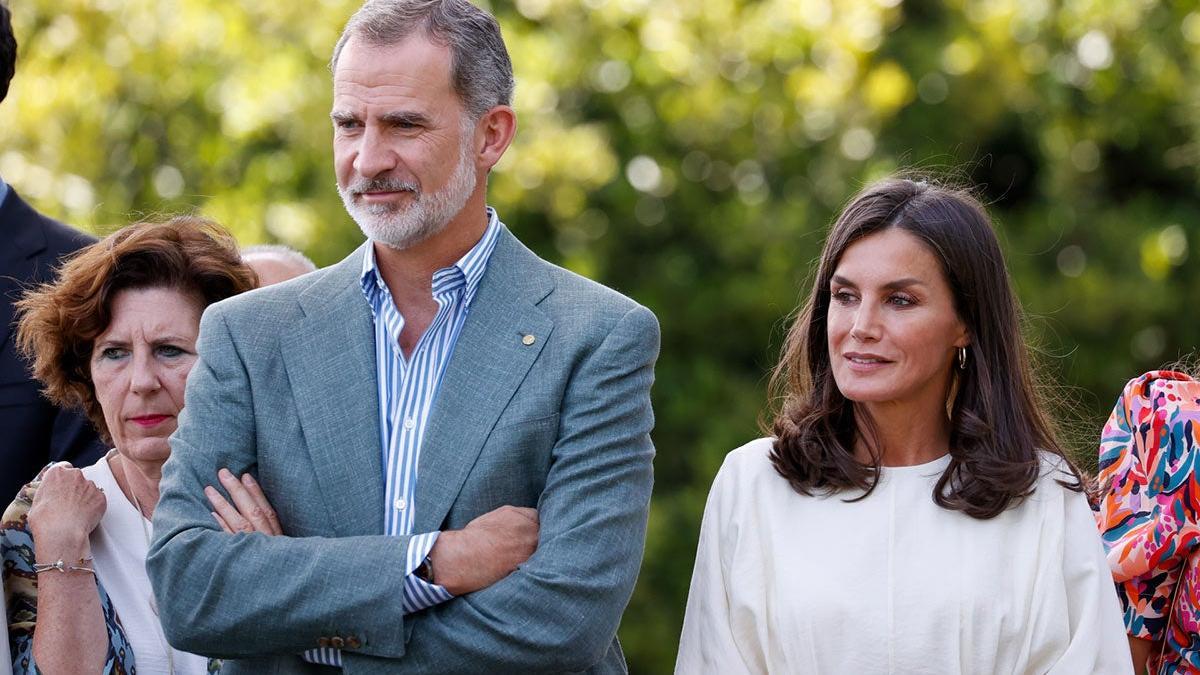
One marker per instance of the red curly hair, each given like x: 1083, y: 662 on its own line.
x: 59, y: 321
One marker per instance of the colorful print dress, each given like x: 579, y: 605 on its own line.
x: 1149, y: 513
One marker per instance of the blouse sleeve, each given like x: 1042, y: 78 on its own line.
x: 1097, y: 641
x: 707, y: 644
x: 1149, y: 494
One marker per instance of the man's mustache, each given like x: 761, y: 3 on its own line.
x: 384, y: 185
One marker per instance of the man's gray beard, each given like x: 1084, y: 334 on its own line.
x: 401, y: 227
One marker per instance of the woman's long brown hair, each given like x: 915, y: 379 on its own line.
x: 997, y: 424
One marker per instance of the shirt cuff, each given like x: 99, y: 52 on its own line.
x: 325, y: 656
x: 418, y: 593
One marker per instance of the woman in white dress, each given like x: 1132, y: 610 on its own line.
x: 913, y: 512
x: 116, y: 336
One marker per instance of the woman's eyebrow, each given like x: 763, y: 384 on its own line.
x: 891, y: 285
x: 903, y: 283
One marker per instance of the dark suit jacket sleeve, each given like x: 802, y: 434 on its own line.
x: 34, y: 431
x: 561, y: 609
x: 231, y: 595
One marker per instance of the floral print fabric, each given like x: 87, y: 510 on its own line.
x: 1149, y: 513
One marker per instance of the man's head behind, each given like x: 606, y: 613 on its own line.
x: 274, y: 263
x: 480, y: 68
x: 8, y: 50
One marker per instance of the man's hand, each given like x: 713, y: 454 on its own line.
x: 250, y: 510
x: 488, y: 549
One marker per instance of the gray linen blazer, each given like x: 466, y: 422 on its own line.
x: 285, y: 387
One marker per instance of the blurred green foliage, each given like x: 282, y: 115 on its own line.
x: 689, y: 154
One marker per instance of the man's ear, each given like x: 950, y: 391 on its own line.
x: 494, y: 132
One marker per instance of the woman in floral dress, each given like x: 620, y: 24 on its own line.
x: 1149, y: 513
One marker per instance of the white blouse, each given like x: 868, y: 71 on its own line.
x: 119, y: 547
x: 787, y: 583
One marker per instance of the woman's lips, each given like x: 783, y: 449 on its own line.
x: 148, y: 420
x: 865, y: 363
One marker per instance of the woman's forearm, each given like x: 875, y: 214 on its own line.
x: 69, y: 636
x: 1141, y: 650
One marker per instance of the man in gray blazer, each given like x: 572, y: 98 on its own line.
x: 454, y: 433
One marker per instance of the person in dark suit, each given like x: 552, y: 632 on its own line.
x: 35, y: 432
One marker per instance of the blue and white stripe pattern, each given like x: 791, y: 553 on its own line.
x: 407, y: 390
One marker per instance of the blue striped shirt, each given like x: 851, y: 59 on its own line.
x: 407, y: 391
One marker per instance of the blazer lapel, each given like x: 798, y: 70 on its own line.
x: 490, y: 360
x: 330, y: 359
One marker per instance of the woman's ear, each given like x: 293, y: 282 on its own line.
x: 963, y: 339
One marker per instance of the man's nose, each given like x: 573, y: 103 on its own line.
x: 375, y: 156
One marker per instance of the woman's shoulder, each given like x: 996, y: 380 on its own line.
x: 17, y: 512
x: 1055, y: 468
x: 752, y: 457
x: 100, y: 473
x: 1059, y: 484
x: 1154, y: 424
x: 745, y: 486
x: 1161, y: 396
x: 747, y: 467
x: 1165, y: 383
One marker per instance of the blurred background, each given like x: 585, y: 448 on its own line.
x: 690, y: 154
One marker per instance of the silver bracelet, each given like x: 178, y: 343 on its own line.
x: 61, y: 566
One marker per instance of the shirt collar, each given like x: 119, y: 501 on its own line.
x: 470, y: 266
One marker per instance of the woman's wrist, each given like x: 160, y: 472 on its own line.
x: 61, y: 546
x: 66, y: 567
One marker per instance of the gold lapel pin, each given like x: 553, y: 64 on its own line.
x: 528, y: 340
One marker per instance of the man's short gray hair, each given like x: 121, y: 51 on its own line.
x: 480, y: 68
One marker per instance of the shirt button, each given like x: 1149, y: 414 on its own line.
x: 401, y: 503
x: 409, y: 423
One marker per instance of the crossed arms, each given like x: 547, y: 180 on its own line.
x: 220, y: 594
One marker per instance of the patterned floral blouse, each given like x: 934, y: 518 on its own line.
x: 1149, y: 513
